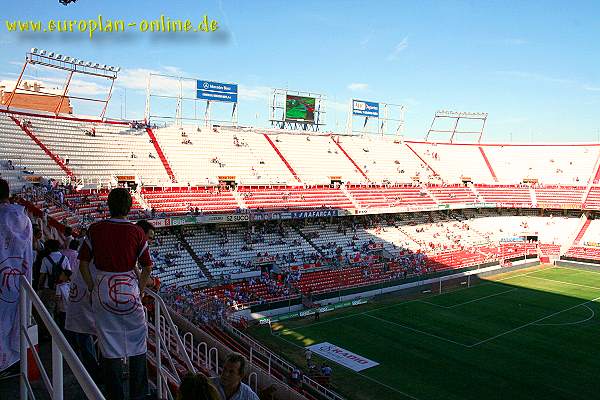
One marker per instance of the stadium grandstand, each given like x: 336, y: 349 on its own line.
x: 252, y: 224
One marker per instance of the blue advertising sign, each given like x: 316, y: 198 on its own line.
x: 314, y: 214
x: 217, y: 96
x: 217, y: 86
x: 365, y: 108
x: 217, y: 91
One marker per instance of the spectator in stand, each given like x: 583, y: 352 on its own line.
x: 71, y: 253
x: 62, y: 295
x: 196, y: 387
x: 229, y: 383
x: 16, y: 258
x: 296, y: 377
x: 115, y: 245
x: 308, y: 356
x: 79, y: 322
x: 68, y: 237
x: 52, y: 265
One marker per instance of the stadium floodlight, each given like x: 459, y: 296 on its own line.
x: 117, y: 69
x: 59, y: 57
x: 97, y: 65
x: 51, y: 55
x: 89, y: 64
x: 34, y: 50
x: 67, y: 59
x: 42, y: 52
x: 103, y: 66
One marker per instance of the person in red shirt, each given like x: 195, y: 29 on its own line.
x: 114, y: 246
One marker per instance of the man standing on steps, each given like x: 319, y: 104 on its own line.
x: 229, y: 383
x: 115, y: 246
x: 308, y: 356
x: 16, y: 259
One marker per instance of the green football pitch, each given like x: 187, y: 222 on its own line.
x: 528, y: 334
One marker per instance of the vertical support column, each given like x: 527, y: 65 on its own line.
x: 23, y: 322
x: 57, y: 372
x: 158, y: 344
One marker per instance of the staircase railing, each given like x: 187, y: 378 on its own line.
x: 60, y: 349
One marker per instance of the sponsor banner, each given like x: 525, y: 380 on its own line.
x: 513, y: 239
x: 264, y: 260
x: 218, y: 91
x: 177, y: 221
x: 220, y: 218
x: 243, y: 275
x: 201, y: 219
x: 342, y: 356
x: 314, y: 214
x: 592, y: 244
x: 562, y: 206
x: 217, y: 86
x: 158, y: 223
x: 33, y: 178
x: 225, y: 97
x: 270, y: 216
x: 305, y: 313
x: 365, y: 108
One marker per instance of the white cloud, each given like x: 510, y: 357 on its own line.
x: 137, y: 79
x: 367, y: 39
x: 515, y: 41
x: 536, y: 77
x: 355, y: 86
x: 337, y: 106
x: 78, y: 87
x: 399, y: 48
x: 173, y: 70
x: 254, y: 92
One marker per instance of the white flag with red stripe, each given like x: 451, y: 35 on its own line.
x: 16, y: 259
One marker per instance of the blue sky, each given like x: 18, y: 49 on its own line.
x: 533, y: 66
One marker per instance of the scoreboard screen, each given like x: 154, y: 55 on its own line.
x: 299, y: 108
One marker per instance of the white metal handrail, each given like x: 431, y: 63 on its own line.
x: 164, y: 330
x: 60, y: 349
x: 260, y: 349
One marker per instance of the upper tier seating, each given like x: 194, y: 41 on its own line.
x: 390, y: 196
x: 115, y: 149
x: 296, y: 198
x: 453, y: 161
x: 453, y: 194
x: 185, y: 200
x: 508, y: 196
x: 16, y: 146
x: 558, y: 196
x: 593, y: 199
x: 315, y: 159
x: 383, y: 159
x: 201, y: 155
x: 571, y: 165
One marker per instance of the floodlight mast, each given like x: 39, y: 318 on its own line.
x: 71, y: 65
x: 457, y: 116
